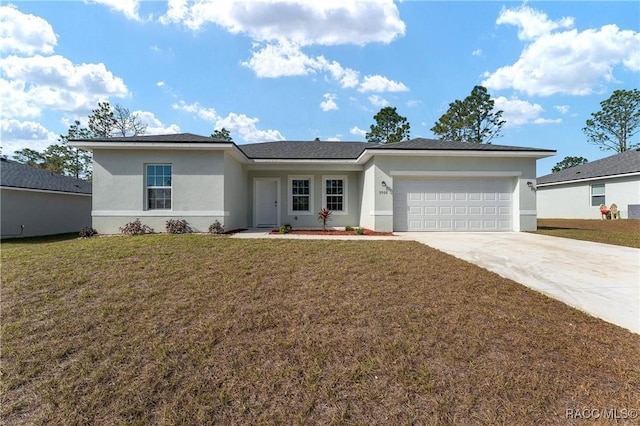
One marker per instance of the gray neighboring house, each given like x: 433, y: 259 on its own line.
x: 416, y: 185
x: 36, y: 202
x: 577, y: 192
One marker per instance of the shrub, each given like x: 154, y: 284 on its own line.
x: 88, y: 232
x: 216, y: 228
x: 359, y: 231
x: 348, y: 228
x: 136, y: 228
x: 285, y: 229
x: 324, y: 215
x: 175, y: 226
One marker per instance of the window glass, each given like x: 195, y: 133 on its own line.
x: 158, y: 186
x: 300, y: 192
x: 597, y: 194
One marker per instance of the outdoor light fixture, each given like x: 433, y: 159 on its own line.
x: 384, y: 184
x: 531, y: 185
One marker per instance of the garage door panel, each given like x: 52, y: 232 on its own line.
x: 453, y: 204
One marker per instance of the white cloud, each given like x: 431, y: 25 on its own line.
x: 54, y: 82
x: 328, y: 22
x: 566, y: 62
x: 283, y: 59
x: 329, y: 103
x: 207, y: 114
x: 378, y: 83
x: 128, y: 7
x: 154, y: 125
x: 239, y: 124
x: 333, y: 139
x: 160, y: 83
x: 532, y: 23
x: 562, y: 109
x: 355, y: 130
x: 17, y: 135
x: 34, y: 79
x: 378, y: 101
x: 477, y: 52
x: 247, y: 128
x: 518, y: 112
x: 412, y: 103
x: 23, y: 33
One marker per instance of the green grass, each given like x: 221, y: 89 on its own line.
x: 194, y: 329
x: 621, y: 232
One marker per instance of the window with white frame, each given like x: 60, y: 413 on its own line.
x: 158, y: 186
x: 597, y: 194
x: 334, y: 193
x: 300, y: 195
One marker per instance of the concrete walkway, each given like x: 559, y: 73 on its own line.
x: 600, y: 279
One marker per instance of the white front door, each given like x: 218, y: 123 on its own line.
x: 266, y: 202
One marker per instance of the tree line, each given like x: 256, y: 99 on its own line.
x: 472, y: 120
x: 106, y: 121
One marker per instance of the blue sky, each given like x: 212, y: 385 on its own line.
x: 297, y: 70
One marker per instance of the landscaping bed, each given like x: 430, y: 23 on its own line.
x: 332, y: 232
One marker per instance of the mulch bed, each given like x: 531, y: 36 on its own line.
x: 332, y: 232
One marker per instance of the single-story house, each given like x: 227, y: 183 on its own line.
x: 36, y: 202
x: 577, y: 192
x: 415, y: 185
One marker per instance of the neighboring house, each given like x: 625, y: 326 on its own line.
x: 577, y: 192
x: 36, y: 202
x: 416, y: 185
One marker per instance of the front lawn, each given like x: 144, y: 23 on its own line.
x: 196, y: 329
x: 620, y: 232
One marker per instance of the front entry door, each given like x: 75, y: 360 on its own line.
x: 266, y: 196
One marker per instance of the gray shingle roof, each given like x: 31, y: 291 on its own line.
x: 18, y: 175
x: 320, y: 150
x: 177, y: 137
x: 619, y: 164
x: 304, y: 150
x: 437, y: 145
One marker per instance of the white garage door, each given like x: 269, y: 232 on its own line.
x: 452, y: 205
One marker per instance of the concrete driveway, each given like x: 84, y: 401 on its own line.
x: 600, y: 279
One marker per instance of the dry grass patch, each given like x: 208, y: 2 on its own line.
x: 196, y: 329
x: 621, y: 232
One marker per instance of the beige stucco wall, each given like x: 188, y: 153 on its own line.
x: 120, y: 192
x: 524, y: 198
x: 573, y: 201
x: 235, y: 194
x: 352, y: 218
x: 42, y: 213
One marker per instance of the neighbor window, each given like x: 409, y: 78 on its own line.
x: 158, y: 186
x: 334, y: 193
x: 300, y: 195
x: 597, y: 194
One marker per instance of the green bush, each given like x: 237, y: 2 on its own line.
x: 136, y: 228
x: 175, y: 226
x: 285, y: 229
x: 216, y: 228
x: 348, y: 228
x: 88, y: 232
x: 359, y: 231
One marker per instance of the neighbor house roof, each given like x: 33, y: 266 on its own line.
x: 18, y: 175
x: 619, y: 164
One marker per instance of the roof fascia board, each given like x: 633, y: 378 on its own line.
x: 307, y: 166
x: 564, y: 182
x: 368, y: 153
x: 434, y: 174
x: 47, y: 191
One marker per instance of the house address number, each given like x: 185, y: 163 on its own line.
x: 383, y: 192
